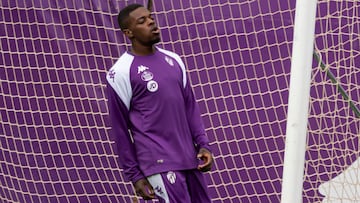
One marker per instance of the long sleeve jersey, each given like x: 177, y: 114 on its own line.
x: 155, y: 118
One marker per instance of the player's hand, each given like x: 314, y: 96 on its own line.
x: 207, y: 160
x: 144, y: 189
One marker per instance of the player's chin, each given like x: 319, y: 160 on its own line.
x: 152, y: 41
x: 156, y: 39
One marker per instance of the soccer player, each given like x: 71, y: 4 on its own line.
x: 163, y: 148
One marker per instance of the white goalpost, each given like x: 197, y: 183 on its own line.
x: 298, y: 103
x: 261, y: 95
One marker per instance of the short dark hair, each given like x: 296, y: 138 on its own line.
x: 124, y: 15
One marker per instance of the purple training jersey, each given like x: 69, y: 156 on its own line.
x: 151, y: 97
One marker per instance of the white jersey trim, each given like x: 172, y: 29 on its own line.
x: 178, y: 59
x: 158, y: 185
x: 119, y: 78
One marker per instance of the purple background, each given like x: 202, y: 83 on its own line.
x: 54, y: 141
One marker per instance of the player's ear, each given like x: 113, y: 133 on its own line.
x: 128, y: 33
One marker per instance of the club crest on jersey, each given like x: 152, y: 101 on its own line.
x: 147, y: 76
x: 171, y: 176
x: 152, y: 86
x: 142, y: 69
x: 169, y: 60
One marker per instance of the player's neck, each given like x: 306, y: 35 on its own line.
x: 143, y: 50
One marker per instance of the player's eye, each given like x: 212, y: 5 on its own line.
x: 141, y: 20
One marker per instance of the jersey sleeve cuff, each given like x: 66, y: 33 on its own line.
x: 136, y: 178
x: 205, y: 146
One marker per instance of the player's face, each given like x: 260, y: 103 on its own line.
x: 142, y: 27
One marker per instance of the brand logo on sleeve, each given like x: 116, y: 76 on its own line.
x: 112, y: 75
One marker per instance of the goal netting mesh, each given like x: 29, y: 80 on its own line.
x: 54, y: 130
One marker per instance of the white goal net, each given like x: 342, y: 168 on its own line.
x: 54, y: 130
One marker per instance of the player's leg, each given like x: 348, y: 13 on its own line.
x: 197, y: 186
x: 170, y: 187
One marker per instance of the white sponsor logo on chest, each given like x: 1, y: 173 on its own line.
x: 142, y: 69
x: 152, y: 86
